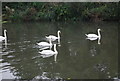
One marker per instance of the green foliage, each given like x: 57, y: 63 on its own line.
x: 56, y: 11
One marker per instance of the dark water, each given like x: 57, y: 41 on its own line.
x: 78, y: 58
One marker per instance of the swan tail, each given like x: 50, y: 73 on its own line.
x: 37, y: 43
x: 86, y: 34
x: 46, y: 37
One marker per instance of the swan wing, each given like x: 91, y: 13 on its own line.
x: 92, y: 36
x: 43, y: 43
x: 52, y: 37
x: 47, y: 52
x: 45, y: 56
x: 2, y: 38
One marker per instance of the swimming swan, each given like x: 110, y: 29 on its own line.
x: 45, y: 44
x: 49, y: 52
x: 94, y: 36
x: 53, y: 38
x: 5, y: 36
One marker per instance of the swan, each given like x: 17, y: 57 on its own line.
x: 48, y: 53
x: 52, y: 37
x: 45, y: 45
x: 94, y: 36
x: 3, y: 37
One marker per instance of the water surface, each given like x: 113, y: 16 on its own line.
x: 78, y: 58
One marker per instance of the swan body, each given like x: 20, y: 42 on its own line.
x: 53, y: 38
x: 45, y: 44
x: 49, y: 52
x: 3, y: 37
x: 94, y: 36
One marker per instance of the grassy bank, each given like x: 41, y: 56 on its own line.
x: 56, y: 11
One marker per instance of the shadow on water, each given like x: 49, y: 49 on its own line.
x: 78, y: 58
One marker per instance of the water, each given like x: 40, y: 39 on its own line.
x: 78, y: 58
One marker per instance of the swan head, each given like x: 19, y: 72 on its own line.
x: 99, y: 29
x: 5, y: 30
x: 58, y: 34
x: 59, y: 31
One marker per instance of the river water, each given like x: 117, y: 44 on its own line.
x: 77, y: 58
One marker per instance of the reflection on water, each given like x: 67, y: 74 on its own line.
x: 77, y: 57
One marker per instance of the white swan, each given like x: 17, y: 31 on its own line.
x: 48, y: 53
x: 52, y: 37
x: 94, y: 36
x: 45, y: 45
x: 3, y: 37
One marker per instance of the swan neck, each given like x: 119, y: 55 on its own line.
x: 5, y: 42
x: 55, y: 48
x: 99, y: 40
x: 55, y: 57
x: 99, y: 33
x: 58, y: 41
x: 58, y: 34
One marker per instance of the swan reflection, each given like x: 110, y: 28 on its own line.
x: 3, y: 46
x: 93, y: 51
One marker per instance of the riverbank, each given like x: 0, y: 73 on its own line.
x: 57, y: 11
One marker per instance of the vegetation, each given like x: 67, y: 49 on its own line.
x: 57, y: 11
